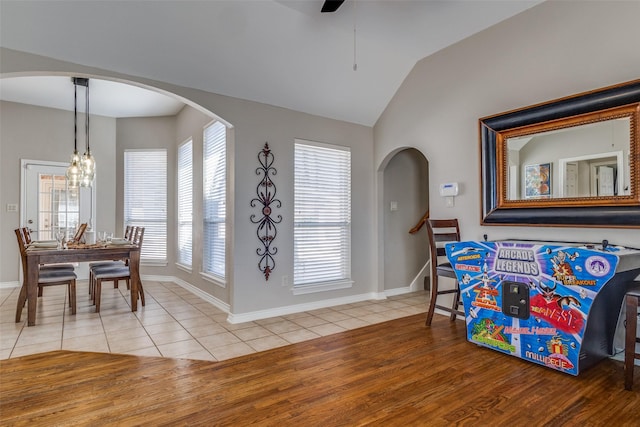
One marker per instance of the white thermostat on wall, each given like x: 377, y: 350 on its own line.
x: 449, y: 189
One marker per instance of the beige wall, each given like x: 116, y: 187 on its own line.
x: 555, y: 49
x: 253, y: 124
x: 147, y: 133
x: 37, y: 133
x: 405, y: 183
x: 190, y: 124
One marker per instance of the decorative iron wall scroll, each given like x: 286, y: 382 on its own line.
x: 266, y: 231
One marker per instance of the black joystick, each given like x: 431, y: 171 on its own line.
x: 605, y: 243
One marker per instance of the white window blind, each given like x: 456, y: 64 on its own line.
x: 214, y: 198
x: 185, y: 203
x: 145, y: 199
x: 322, y: 229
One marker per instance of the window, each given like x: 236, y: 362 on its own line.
x: 322, y: 219
x: 145, y: 200
x: 214, y: 199
x: 185, y: 203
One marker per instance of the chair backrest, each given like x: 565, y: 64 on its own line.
x: 22, y: 245
x: 441, y: 231
x: 79, y: 233
x: 26, y: 235
x: 127, y: 232
x: 139, y: 236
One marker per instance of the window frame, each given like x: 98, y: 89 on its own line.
x: 184, y: 189
x: 332, y: 156
x: 152, y: 238
x: 218, y: 277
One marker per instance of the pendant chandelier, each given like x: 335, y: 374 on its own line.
x: 81, y: 170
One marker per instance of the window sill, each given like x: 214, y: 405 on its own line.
x: 321, y: 287
x: 214, y: 279
x: 154, y: 263
x: 185, y: 268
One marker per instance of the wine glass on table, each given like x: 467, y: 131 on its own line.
x: 60, y: 237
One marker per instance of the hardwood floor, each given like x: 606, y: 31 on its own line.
x: 394, y: 373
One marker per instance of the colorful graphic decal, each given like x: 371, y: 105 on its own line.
x: 561, y: 281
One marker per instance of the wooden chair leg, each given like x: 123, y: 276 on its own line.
x: 96, y: 294
x: 22, y: 299
x: 39, y: 291
x: 72, y: 296
x: 456, y: 304
x: 432, y: 300
x: 631, y: 302
x: 141, y: 292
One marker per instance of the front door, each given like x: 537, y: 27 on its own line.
x: 48, y: 204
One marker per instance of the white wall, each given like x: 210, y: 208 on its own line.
x: 555, y: 49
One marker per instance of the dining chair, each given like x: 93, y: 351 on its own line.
x: 440, y: 232
x: 26, y: 240
x: 129, y: 234
x: 45, y: 278
x: 116, y: 273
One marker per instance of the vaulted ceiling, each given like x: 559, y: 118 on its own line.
x: 345, y: 65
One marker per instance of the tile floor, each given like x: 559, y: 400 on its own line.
x: 175, y: 323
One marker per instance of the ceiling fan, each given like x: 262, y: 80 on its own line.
x: 331, y: 5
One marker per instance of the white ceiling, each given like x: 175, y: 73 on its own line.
x: 279, y: 52
x: 106, y: 98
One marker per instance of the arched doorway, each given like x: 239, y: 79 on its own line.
x: 124, y: 115
x: 405, y: 199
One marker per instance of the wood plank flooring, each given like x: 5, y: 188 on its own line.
x: 397, y: 373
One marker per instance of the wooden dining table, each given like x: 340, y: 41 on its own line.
x: 37, y: 256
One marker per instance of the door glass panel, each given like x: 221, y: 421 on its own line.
x: 58, y: 206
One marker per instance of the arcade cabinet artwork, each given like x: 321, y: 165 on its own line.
x: 554, y: 304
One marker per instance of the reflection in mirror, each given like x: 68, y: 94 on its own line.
x: 573, y: 162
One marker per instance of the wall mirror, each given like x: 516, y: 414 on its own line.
x: 569, y: 162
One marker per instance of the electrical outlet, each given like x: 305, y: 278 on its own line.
x: 285, y: 281
x: 12, y: 207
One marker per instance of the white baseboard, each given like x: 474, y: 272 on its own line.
x: 262, y: 314
x: 193, y: 289
x: 398, y: 291
x: 9, y: 285
x: 297, y: 308
x: 418, y: 282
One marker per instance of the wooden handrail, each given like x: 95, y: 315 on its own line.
x: 420, y: 223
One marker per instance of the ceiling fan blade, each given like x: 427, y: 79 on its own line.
x: 331, y: 5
